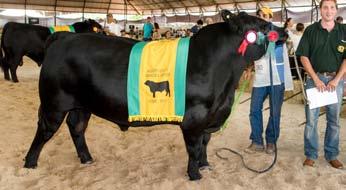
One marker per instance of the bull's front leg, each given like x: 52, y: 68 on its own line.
x: 193, y: 143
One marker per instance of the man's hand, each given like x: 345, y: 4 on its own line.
x: 332, y: 85
x: 320, y: 85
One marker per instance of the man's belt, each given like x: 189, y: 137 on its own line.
x: 327, y: 74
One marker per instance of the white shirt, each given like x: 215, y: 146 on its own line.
x: 295, y: 37
x: 114, y: 28
x: 262, y: 75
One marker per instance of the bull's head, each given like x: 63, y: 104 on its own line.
x: 263, y: 31
x: 94, y: 26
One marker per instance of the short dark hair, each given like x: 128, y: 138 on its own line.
x: 300, y: 27
x: 322, y: 1
x: 339, y: 18
x: 286, y: 23
x: 199, y: 22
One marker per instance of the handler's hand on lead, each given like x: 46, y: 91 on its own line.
x: 247, y: 74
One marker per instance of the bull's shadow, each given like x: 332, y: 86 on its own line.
x: 86, y: 74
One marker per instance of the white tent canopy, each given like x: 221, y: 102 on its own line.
x: 151, y: 7
x: 58, y: 12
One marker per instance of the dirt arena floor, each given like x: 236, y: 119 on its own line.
x: 150, y: 158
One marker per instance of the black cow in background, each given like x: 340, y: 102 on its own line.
x: 20, y: 39
x: 86, y: 74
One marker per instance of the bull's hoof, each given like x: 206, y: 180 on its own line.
x: 207, y: 168
x: 30, y: 165
x: 203, y: 164
x: 87, y: 161
x: 15, y: 80
x: 195, y: 176
x: 124, y: 127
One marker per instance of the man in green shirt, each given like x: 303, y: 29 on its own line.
x: 323, y: 55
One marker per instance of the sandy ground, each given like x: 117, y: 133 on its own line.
x: 150, y: 158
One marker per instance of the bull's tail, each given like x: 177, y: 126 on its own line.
x: 2, y: 57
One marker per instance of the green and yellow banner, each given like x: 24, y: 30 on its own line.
x: 68, y: 28
x: 157, y: 80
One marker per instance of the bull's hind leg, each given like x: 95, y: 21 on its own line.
x: 77, y: 121
x: 6, y: 70
x: 203, y: 160
x: 48, y: 124
x: 13, y: 67
x: 193, y: 143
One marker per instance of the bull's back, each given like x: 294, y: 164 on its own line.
x: 89, y: 71
x: 24, y: 37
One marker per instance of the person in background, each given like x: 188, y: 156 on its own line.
x: 262, y: 88
x: 147, y: 30
x: 297, y: 35
x: 156, y: 26
x: 289, y: 25
x: 197, y: 27
x: 209, y: 21
x: 156, y: 32
x: 122, y: 33
x: 324, y: 59
x: 295, y: 39
x: 168, y: 34
x: 112, y: 27
x: 340, y: 20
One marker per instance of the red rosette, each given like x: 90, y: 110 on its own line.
x: 273, y: 36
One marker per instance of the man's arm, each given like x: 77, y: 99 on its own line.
x: 308, y: 68
x: 334, y: 83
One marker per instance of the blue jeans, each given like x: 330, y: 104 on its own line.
x: 331, y: 139
x: 259, y: 94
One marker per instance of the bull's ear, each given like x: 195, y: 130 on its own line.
x: 226, y: 15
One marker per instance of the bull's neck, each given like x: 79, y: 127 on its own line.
x: 210, y: 48
x: 215, y: 62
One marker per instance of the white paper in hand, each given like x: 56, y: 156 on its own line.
x: 318, y: 99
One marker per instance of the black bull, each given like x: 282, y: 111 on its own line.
x: 86, y: 74
x: 20, y: 39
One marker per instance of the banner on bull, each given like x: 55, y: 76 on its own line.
x: 68, y: 28
x: 157, y: 80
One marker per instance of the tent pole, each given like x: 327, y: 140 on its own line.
x: 25, y: 12
x: 317, y: 8
x: 56, y: 3
x: 125, y: 13
x: 109, y: 6
x: 84, y: 3
x: 313, y: 8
